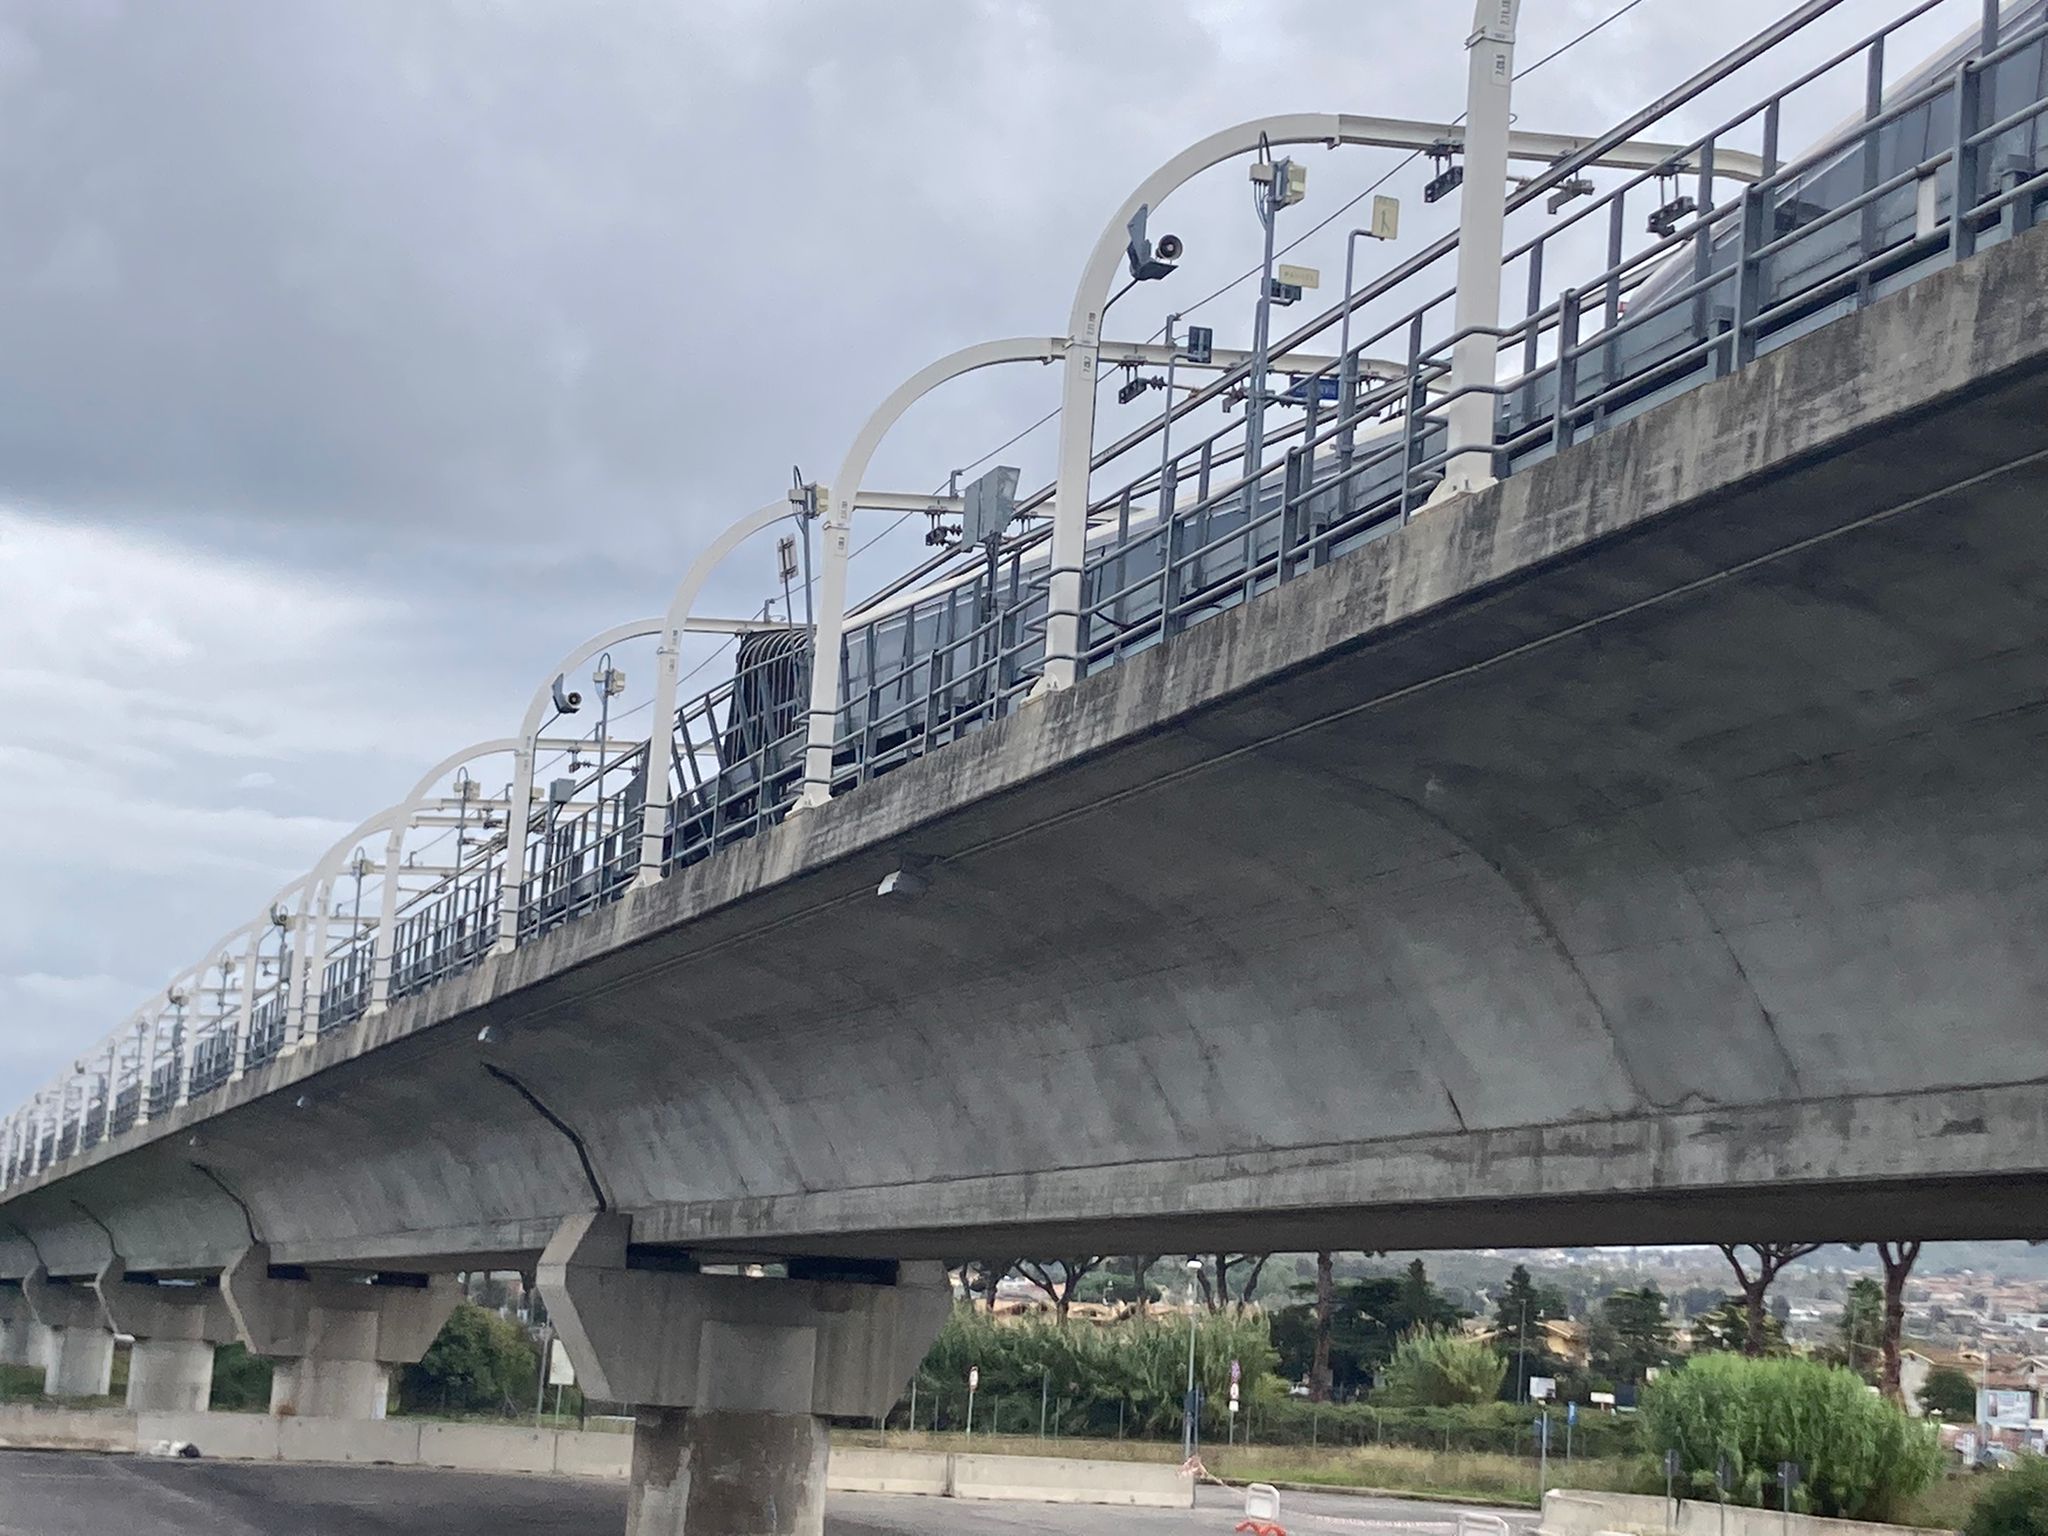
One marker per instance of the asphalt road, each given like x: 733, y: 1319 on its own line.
x: 74, y: 1494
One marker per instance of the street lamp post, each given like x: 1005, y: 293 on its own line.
x: 1191, y: 1432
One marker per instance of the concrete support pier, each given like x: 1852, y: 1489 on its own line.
x: 23, y: 1340
x: 731, y: 1377
x: 334, y: 1338
x: 79, y: 1358
x: 176, y: 1329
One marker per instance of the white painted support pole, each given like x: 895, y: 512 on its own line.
x: 309, y: 958
x: 1481, y: 239
x: 381, y: 954
x: 113, y: 1087
x: 145, y: 1067
x: 245, y: 1010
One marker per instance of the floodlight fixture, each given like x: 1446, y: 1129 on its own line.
x: 1148, y: 262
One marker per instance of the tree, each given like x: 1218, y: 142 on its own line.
x: 1367, y: 1319
x: 1898, y: 1260
x: 1725, y: 1330
x: 1862, y: 1328
x: 1860, y: 1457
x: 1754, y: 1279
x: 1517, y: 1332
x: 1641, y: 1331
x: 989, y: 1274
x: 1439, y: 1368
x: 478, y: 1363
x: 1060, y: 1290
x: 1222, y: 1291
x: 1326, y: 1309
x: 1141, y: 1267
x: 1950, y: 1393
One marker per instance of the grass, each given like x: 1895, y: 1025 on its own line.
x: 1479, y: 1476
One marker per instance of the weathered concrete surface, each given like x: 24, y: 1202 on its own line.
x: 721, y: 1473
x: 1572, y: 1513
x: 78, y: 1355
x: 653, y: 1336
x: 1650, y: 847
x: 175, y: 1328
x: 334, y: 1340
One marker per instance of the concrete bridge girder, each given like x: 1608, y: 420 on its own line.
x: 1591, y: 860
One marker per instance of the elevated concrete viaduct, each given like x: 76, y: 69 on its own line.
x: 1650, y: 846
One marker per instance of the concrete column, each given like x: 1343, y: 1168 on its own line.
x: 334, y: 1339
x: 731, y: 1378
x: 176, y: 1329
x: 23, y: 1340
x: 80, y: 1358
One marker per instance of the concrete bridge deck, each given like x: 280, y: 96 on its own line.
x: 1648, y: 847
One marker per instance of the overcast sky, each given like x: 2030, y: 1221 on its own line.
x: 358, y: 358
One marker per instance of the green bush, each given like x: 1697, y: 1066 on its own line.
x: 18, y: 1382
x: 2013, y: 1503
x: 1435, y: 1368
x: 1093, y: 1381
x: 1860, y: 1457
x: 1505, y: 1428
x: 1950, y: 1393
x: 479, y: 1363
x: 240, y: 1380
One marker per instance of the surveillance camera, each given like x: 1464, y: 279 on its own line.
x: 1169, y: 248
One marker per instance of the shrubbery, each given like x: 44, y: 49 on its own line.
x: 240, y: 1380
x: 479, y: 1363
x: 1859, y: 1456
x: 1437, y: 1368
x: 1133, y: 1374
x: 2013, y: 1503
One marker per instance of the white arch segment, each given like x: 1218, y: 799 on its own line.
x: 844, y: 495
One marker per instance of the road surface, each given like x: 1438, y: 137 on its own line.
x: 76, y: 1494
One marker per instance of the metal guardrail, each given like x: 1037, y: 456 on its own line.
x: 1683, y: 285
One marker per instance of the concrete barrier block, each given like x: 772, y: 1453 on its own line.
x: 224, y: 1436
x: 396, y: 1441
x: 1571, y: 1512
x: 1059, y: 1480
x: 67, y: 1429
x: 593, y: 1453
x: 487, y: 1447
x: 866, y: 1469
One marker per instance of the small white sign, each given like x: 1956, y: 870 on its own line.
x: 1386, y: 218
x: 1543, y: 1386
x: 973, y: 1377
x: 1601, y: 1399
x: 560, y: 1372
x: 1301, y: 277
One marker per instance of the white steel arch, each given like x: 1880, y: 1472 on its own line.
x: 654, y: 815
x: 394, y: 848
x: 844, y: 496
x: 1084, y: 337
